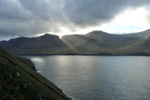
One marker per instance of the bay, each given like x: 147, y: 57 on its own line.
x: 98, y: 77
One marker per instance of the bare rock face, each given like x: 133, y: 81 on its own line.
x: 17, y: 74
x: 20, y: 82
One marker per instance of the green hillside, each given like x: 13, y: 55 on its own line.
x: 46, y: 44
x: 96, y: 42
x: 20, y: 81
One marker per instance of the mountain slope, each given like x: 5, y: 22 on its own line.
x: 46, y: 44
x: 96, y: 42
x: 83, y: 45
x: 19, y: 82
x: 138, y: 34
x: 141, y: 46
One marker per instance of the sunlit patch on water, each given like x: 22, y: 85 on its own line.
x: 37, y: 59
x: 38, y: 71
x: 98, y: 77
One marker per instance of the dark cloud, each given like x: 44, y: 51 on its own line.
x: 28, y: 18
x: 91, y: 12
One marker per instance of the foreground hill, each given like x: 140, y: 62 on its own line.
x: 96, y: 42
x: 20, y: 81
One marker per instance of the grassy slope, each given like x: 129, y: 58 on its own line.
x: 32, y: 86
x: 99, y: 43
x: 96, y: 42
x: 46, y: 44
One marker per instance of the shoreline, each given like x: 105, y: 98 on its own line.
x: 142, y: 54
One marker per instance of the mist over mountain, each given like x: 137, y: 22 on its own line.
x: 95, y: 42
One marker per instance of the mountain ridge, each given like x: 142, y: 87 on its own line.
x: 95, y: 42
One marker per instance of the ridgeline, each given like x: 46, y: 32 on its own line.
x: 93, y: 43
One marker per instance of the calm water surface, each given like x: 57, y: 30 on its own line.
x: 98, y: 77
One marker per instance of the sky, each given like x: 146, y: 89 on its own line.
x: 62, y: 17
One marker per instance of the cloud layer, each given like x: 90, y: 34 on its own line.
x: 29, y: 18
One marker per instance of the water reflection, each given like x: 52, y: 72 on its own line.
x: 37, y: 59
x: 98, y: 77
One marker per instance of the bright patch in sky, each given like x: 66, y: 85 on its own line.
x: 62, y: 17
x: 66, y: 31
x: 131, y: 20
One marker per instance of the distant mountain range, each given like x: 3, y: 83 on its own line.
x: 93, y: 43
x: 46, y: 44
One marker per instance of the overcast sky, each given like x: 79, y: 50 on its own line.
x: 36, y: 17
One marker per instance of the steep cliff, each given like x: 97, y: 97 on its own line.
x: 20, y: 81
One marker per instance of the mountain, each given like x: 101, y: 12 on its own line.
x: 20, y: 81
x: 46, y: 44
x: 142, y: 45
x: 95, y: 43
x: 98, y: 42
x: 139, y: 34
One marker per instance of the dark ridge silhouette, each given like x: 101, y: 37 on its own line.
x: 96, y: 42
